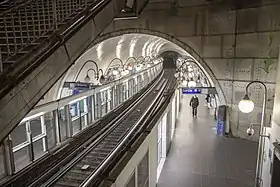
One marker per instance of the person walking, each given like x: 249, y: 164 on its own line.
x: 208, y: 100
x: 194, y: 104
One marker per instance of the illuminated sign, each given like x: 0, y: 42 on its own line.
x: 191, y: 90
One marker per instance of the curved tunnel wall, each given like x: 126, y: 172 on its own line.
x: 179, y: 46
x: 109, y: 50
x: 234, y: 47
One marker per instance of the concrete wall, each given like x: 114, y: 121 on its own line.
x: 274, y: 131
x: 150, y: 145
x: 233, y: 43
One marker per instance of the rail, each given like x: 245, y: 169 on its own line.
x: 88, y: 181
x: 85, y: 136
x: 116, y: 166
x: 111, y: 127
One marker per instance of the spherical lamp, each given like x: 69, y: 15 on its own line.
x: 125, y: 72
x: 137, y: 68
x: 192, y: 83
x: 246, y: 105
x: 176, y: 75
x: 115, y: 72
x: 185, y: 83
x: 129, y: 67
x: 184, y: 66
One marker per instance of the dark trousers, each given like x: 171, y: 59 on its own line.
x: 194, y: 111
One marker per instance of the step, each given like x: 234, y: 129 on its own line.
x: 21, y: 20
x: 13, y: 57
x: 20, y: 34
x: 18, y: 27
x: 24, y: 34
x: 17, y: 49
x: 26, y: 44
x: 30, y: 16
x: 7, y: 65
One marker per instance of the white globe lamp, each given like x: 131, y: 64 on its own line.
x: 124, y: 73
x: 185, y: 83
x: 176, y: 75
x: 129, y: 67
x: 137, y: 68
x: 184, y: 66
x: 246, y: 105
x: 115, y: 72
x: 192, y: 83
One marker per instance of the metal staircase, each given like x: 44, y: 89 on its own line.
x: 31, y: 33
x: 39, y: 41
x: 26, y: 25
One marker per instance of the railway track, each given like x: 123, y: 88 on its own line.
x: 116, y: 166
x: 36, y: 173
x: 90, y: 162
x: 87, y: 156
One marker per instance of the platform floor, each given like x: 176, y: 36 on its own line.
x: 199, y: 158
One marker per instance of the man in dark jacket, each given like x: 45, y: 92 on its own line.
x: 194, y: 104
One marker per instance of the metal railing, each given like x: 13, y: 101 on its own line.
x: 25, y: 24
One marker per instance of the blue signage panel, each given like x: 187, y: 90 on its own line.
x: 191, y: 90
x: 77, y: 85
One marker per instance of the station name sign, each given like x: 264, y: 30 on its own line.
x: 191, y: 90
x: 77, y: 85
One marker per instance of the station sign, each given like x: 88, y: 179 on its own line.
x: 77, y: 85
x: 191, y: 90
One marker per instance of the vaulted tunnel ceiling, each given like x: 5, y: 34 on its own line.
x: 122, y: 47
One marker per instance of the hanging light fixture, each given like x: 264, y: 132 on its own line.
x: 138, y: 67
x: 185, y: 83
x: 125, y: 72
x: 115, y: 72
x: 192, y: 83
x: 184, y: 66
x: 87, y: 78
x: 246, y: 105
x: 176, y: 75
x: 129, y: 67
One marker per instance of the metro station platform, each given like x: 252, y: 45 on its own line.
x: 199, y: 158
